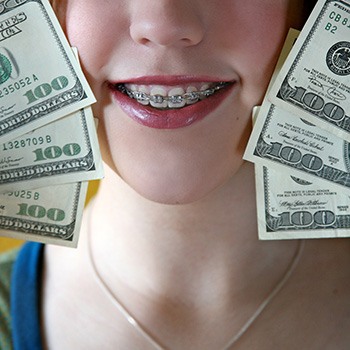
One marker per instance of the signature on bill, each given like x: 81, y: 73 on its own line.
x: 9, y: 160
x: 331, y: 91
x: 5, y: 111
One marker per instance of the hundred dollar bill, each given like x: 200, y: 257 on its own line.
x: 282, y: 141
x: 314, y: 82
x: 63, y: 151
x: 40, y: 79
x: 291, y: 208
x: 47, y: 215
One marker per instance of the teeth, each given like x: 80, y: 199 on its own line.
x: 157, y: 98
x: 191, y: 96
x: 176, y: 99
x: 162, y: 98
x: 142, y: 95
x: 203, y: 89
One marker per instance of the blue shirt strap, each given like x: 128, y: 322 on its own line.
x: 25, y: 294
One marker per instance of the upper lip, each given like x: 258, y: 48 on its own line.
x: 171, y: 80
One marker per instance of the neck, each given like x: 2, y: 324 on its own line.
x: 182, y: 249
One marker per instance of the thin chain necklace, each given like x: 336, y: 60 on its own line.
x: 151, y: 339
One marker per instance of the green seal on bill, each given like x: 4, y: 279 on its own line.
x: 5, y: 69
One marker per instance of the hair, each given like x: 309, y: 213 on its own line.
x: 308, y: 7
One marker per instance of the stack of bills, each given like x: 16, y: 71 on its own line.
x: 48, y: 143
x: 300, y: 142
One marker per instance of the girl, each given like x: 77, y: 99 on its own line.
x: 169, y: 256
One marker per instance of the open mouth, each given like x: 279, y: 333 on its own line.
x: 170, y: 106
x: 170, y: 97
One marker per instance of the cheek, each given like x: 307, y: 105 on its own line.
x: 81, y: 21
x: 264, y: 52
x: 92, y: 28
x: 253, y: 41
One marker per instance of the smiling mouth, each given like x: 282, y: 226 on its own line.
x: 170, y: 97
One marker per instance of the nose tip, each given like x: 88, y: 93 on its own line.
x: 164, y: 25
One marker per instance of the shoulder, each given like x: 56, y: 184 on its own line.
x: 7, y: 260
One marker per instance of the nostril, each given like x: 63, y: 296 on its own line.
x: 166, y: 37
x: 161, y: 26
x: 144, y: 41
x: 186, y: 41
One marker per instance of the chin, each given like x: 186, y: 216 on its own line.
x: 179, y: 189
x: 172, y: 195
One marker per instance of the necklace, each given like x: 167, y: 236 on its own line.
x: 151, y: 339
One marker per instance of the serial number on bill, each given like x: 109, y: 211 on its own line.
x: 17, y: 85
x: 26, y: 142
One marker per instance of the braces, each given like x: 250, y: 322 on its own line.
x: 176, y: 99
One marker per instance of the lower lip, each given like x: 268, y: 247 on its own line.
x: 172, y: 118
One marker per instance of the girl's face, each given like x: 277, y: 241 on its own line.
x: 177, y: 149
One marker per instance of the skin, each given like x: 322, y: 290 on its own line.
x: 177, y: 167
x: 173, y: 228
